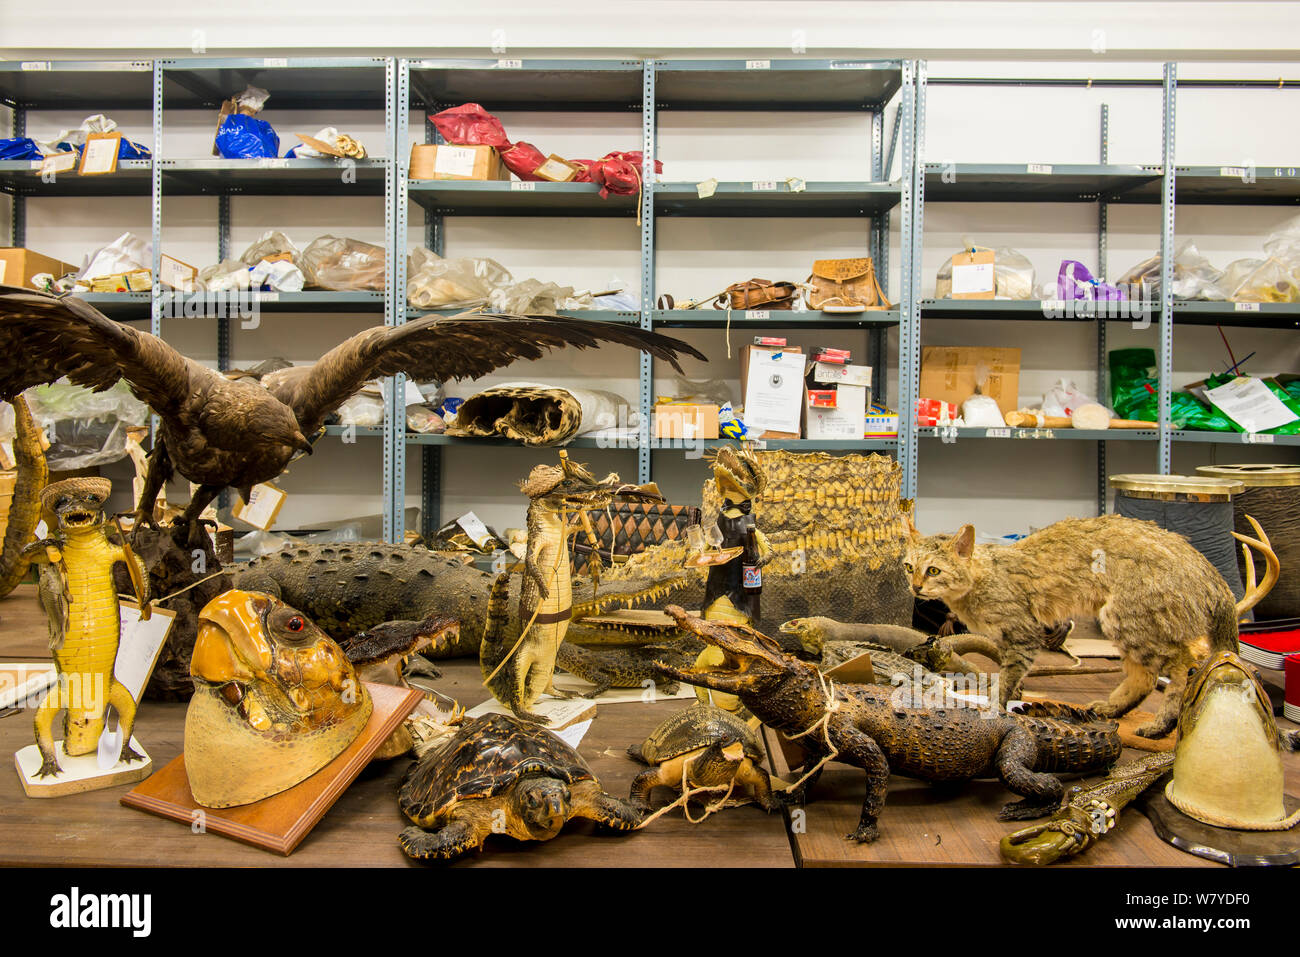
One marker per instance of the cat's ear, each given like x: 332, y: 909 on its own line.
x: 963, y: 543
x: 912, y: 533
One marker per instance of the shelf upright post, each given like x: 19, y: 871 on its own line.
x: 1103, y: 214
x: 649, y: 110
x: 1165, y: 377
x: 17, y: 201
x: 223, y: 251
x: 878, y: 335
x: 155, y: 194
x: 430, y: 455
x: 910, y: 223
x: 396, y: 85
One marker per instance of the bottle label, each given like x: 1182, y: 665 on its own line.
x: 752, y: 576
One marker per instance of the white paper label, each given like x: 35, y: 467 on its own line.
x: 997, y: 433
x: 36, y: 64
x: 1039, y: 168
x: 1251, y: 404
x: 971, y: 278
x: 1257, y: 438
x: 454, y: 161
x: 848, y: 65
x: 58, y: 163
x: 554, y: 170
x: 758, y: 314
x: 510, y: 64
x: 774, y: 391
x: 38, y: 164
x: 174, y: 273
x: 761, y: 184
x: 413, y: 394
x: 268, y: 297
x: 275, y: 61
x: 758, y: 64
x: 523, y: 187
x: 707, y: 188
x: 1237, y: 171
x: 263, y: 503
x: 99, y: 156
x: 474, y: 528
x: 1245, y: 307
x: 272, y: 162
x: 139, y: 645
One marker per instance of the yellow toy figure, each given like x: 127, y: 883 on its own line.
x: 731, y: 593
x: 80, y: 600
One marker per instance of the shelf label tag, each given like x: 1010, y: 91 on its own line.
x: 1245, y: 307
x: 997, y: 433
x: 758, y: 314
x: 36, y: 64
x: 758, y: 64
x: 275, y: 61
x: 1237, y: 171
x: 761, y: 184
x: 274, y: 162
x: 849, y: 65
x: 1257, y: 438
x: 523, y: 187
x: 268, y: 297
x: 510, y: 64
x: 40, y: 163
x: 1039, y: 168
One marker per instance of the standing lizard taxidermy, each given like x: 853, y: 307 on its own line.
x: 220, y: 432
x: 518, y: 660
x: 80, y: 600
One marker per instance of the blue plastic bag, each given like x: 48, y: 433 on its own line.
x: 20, y: 148
x: 126, y: 150
x: 247, y: 137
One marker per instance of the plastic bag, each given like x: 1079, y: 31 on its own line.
x: 522, y: 158
x: 1063, y: 398
x: 272, y: 243
x: 20, y: 148
x: 470, y: 125
x: 701, y: 391
x: 227, y: 275
x: 279, y: 276
x: 981, y: 411
x: 127, y: 253
x: 343, y: 264
x: 346, y: 145
x: 1133, y: 395
x: 1271, y: 281
x: 619, y: 172
x: 437, y: 283
x: 246, y: 137
x: 1284, y: 396
x: 99, y: 123
x: 534, y: 297
x: 362, y: 410
x: 251, y: 100
x: 85, y: 428
x: 1074, y: 281
x: 1194, y: 276
x: 1013, y: 274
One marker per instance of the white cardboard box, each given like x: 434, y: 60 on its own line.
x: 845, y: 421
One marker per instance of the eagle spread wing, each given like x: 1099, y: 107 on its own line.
x: 43, y: 338
x: 444, y: 348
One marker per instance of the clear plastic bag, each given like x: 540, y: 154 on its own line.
x: 1194, y: 276
x: 343, y: 264
x: 85, y: 428
x: 227, y: 275
x: 981, y: 411
x: 272, y: 243
x: 534, y: 297
x: 246, y: 137
x: 465, y: 283
x: 1234, y: 275
x: 1013, y: 274
x: 127, y: 253
x: 1064, y: 397
x: 1271, y: 281
x: 280, y: 276
x: 363, y: 411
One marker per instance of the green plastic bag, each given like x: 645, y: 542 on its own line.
x: 1133, y: 395
x: 1285, y: 396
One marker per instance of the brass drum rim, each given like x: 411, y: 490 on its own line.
x: 1275, y: 475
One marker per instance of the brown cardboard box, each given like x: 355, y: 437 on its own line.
x: 434, y: 161
x: 674, y: 420
x: 950, y: 373
x: 745, y: 353
x: 18, y: 266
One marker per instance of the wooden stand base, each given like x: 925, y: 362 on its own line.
x: 79, y: 774
x: 280, y: 822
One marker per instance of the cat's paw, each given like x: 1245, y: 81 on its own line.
x: 1102, y: 708
x: 1156, y: 729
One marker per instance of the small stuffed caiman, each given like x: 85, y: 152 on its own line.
x: 25, y: 510
x: 626, y: 667
x: 869, y: 727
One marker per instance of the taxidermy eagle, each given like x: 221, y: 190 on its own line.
x: 219, y: 432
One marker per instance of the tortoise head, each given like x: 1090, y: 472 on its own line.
x: 542, y: 805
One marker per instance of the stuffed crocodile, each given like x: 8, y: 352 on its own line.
x: 869, y: 727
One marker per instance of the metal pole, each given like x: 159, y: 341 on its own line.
x: 911, y: 220
x: 1103, y: 212
x: 646, y: 374
x: 395, y: 123
x: 1165, y: 378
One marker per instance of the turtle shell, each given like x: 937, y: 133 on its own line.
x: 484, y: 758
x: 698, y: 727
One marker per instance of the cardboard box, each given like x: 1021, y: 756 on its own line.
x: 795, y: 399
x: 18, y: 266
x: 951, y: 373
x: 846, y: 421
x: 682, y: 421
x: 443, y: 161
x: 880, y: 423
x: 835, y: 374
x: 138, y: 280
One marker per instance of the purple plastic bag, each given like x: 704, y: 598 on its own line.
x: 1075, y: 282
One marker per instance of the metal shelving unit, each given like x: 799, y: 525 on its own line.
x: 646, y: 87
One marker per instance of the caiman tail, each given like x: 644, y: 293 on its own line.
x: 25, y: 511
x: 1070, y: 739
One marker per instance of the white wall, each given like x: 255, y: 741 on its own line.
x: 1002, y: 486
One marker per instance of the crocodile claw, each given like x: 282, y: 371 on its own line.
x: 48, y: 768
x: 865, y: 834
x: 129, y: 754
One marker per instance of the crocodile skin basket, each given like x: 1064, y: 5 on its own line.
x: 629, y: 529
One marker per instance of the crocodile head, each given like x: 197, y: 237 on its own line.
x: 752, y: 663
x: 275, y: 700
x: 76, y: 503
x: 810, y: 633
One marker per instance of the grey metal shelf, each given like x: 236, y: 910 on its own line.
x: 771, y: 319
x: 1236, y: 438
x: 600, y: 315
x: 1238, y: 186
x: 274, y: 177
x: 625, y: 443
x: 950, y: 433
x: 840, y: 85
x: 1040, y: 183
x: 295, y: 83
x: 502, y: 198
x: 98, y: 85
x: 23, y: 178
x: 1253, y: 315
x: 527, y: 84
x: 777, y: 198
x: 1029, y: 310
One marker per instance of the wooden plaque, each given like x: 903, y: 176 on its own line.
x: 280, y: 822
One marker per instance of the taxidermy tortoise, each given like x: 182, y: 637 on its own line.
x: 710, y: 747
x: 500, y: 775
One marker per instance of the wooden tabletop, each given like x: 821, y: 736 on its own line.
x: 921, y: 824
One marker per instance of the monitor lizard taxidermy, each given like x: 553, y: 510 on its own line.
x: 518, y: 658
x: 220, y: 432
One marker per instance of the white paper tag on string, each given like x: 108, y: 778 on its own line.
x: 413, y: 394
x: 707, y: 188
x: 264, y: 504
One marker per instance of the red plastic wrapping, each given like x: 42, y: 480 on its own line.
x: 522, y: 158
x: 470, y: 125
x: 619, y: 172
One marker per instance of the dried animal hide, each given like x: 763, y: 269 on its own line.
x: 536, y: 414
